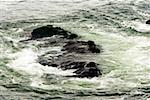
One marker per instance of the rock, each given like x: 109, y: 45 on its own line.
x: 82, y: 68
x: 76, y: 52
x: 69, y: 60
x: 72, y: 36
x: 45, y: 61
x: 90, y: 70
x: 49, y: 30
x: 148, y: 22
x: 92, y: 47
x: 72, y: 65
x: 81, y: 47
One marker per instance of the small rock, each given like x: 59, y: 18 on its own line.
x: 72, y: 65
x: 148, y: 22
x: 81, y: 47
x: 90, y: 70
x: 50, y: 30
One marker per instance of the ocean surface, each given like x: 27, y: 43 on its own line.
x: 117, y: 25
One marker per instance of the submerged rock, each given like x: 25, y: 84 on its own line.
x: 50, y: 30
x: 81, y: 47
x: 148, y: 22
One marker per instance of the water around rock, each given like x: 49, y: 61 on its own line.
x: 74, y: 51
x: 118, y: 25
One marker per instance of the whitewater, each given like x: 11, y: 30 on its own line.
x: 117, y: 25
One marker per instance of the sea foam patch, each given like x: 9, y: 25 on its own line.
x: 26, y: 61
x: 138, y: 26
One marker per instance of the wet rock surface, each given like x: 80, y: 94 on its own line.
x: 88, y: 70
x: 73, y: 52
x: 50, y: 30
x: 82, y: 68
x: 73, y: 58
x: 148, y: 22
x: 81, y: 47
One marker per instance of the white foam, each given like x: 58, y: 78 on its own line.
x: 141, y: 27
x: 26, y: 61
x: 138, y: 26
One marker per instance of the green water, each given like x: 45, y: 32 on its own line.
x: 118, y: 26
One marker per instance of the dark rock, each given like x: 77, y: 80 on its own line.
x: 50, y: 30
x: 82, y: 68
x: 72, y: 36
x: 74, y: 56
x: 148, y: 22
x: 92, y: 47
x: 91, y: 64
x: 90, y: 70
x: 65, y: 61
x: 81, y: 47
x: 72, y: 65
x: 79, y: 70
x: 45, y: 62
x: 54, y: 65
x: 91, y: 43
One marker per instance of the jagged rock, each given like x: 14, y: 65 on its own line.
x: 66, y: 62
x: 74, y: 56
x: 148, y: 22
x: 50, y: 30
x: 81, y: 47
x: 72, y: 65
x: 83, y: 69
x: 69, y: 60
x: 45, y: 61
x: 90, y: 70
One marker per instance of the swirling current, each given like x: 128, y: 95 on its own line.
x: 117, y: 25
